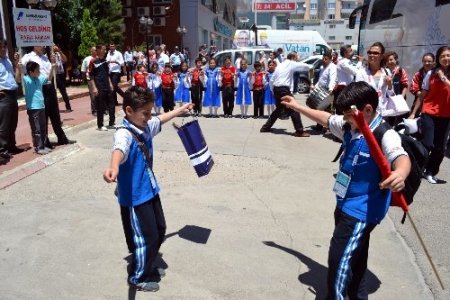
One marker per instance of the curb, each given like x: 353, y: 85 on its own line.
x: 15, y: 175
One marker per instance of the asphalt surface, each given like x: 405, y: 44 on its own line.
x: 257, y: 227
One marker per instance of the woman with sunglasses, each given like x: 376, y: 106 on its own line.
x: 376, y: 75
x: 435, y: 101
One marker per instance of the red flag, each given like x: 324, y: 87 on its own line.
x: 397, y: 197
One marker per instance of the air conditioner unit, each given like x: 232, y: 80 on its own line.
x: 143, y: 11
x: 127, y: 12
x: 159, y: 22
x: 159, y: 10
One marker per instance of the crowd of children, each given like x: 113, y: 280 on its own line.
x: 210, y: 87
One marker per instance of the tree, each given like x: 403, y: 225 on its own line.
x: 88, y: 34
x: 108, y: 19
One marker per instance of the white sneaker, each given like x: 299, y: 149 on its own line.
x: 103, y: 128
x: 431, y: 179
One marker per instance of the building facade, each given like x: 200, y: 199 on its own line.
x: 210, y: 22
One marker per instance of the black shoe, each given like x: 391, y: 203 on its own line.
x: 3, y: 161
x: 264, y: 129
x: 49, y: 145
x: 15, y: 150
x: 6, y: 155
x: 66, y: 142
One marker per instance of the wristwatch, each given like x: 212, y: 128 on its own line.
x: 444, y: 78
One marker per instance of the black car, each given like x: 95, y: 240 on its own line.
x: 303, y: 80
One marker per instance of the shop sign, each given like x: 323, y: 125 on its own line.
x: 222, y: 28
x: 274, y: 5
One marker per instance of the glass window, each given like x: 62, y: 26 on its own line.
x: 382, y: 10
x: 348, y: 37
x: 313, y: 5
x: 331, y: 5
x: 331, y: 16
x: 332, y: 26
x: 332, y: 38
x: 248, y: 55
x: 205, y: 36
x: 163, y: 1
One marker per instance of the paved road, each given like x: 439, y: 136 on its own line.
x: 258, y: 227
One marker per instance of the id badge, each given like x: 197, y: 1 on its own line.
x: 341, y: 184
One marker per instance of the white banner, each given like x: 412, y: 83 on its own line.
x: 32, y: 27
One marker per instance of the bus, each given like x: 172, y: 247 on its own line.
x: 409, y: 27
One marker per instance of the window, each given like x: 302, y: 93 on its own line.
x: 205, y: 37
x: 348, y: 37
x: 162, y: 1
x: 248, y: 55
x: 332, y: 26
x: 331, y: 16
x: 155, y: 39
x: 332, y: 38
x: 331, y: 5
x: 313, y: 5
x: 382, y: 10
x: 442, y: 2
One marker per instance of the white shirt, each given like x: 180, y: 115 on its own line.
x: 162, y: 60
x: 45, y: 66
x: 346, y: 71
x: 284, y: 73
x: 128, y: 56
x: 237, y: 63
x: 118, y: 61
x: 327, y: 78
x: 85, y: 66
x: 123, y: 137
x: 391, y: 143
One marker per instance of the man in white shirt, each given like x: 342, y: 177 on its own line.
x: 116, y: 64
x: 346, y: 71
x: 85, y: 72
x: 280, y: 85
x: 161, y: 58
x: 50, y: 98
x: 176, y: 59
x: 129, y: 62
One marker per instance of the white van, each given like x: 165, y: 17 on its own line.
x: 250, y: 54
x: 304, y: 42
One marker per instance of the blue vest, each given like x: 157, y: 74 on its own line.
x: 136, y: 181
x: 364, y: 199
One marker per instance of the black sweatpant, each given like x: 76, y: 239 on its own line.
x: 347, y: 258
x: 61, y: 85
x: 115, y: 79
x: 38, y: 125
x: 228, y: 100
x: 197, y: 97
x: 104, y: 101
x: 435, y: 132
x: 52, y: 111
x: 279, y: 92
x: 167, y: 99
x: 9, y: 111
x: 145, y: 229
x: 258, y: 103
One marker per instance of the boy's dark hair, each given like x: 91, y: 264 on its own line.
x: 198, y: 59
x: 257, y: 65
x: 31, y: 66
x: 291, y: 55
x: 139, y: 66
x: 328, y: 53
x: 136, y: 97
x: 359, y: 94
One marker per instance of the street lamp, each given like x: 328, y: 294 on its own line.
x: 147, y: 22
x: 181, y: 30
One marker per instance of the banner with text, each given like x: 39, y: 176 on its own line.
x: 274, y: 6
x: 32, y: 27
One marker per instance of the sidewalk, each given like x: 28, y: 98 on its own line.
x: 72, y: 121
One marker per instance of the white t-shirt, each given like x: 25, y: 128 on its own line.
x: 117, y: 59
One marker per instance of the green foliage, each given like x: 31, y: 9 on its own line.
x: 109, y: 21
x: 89, y: 36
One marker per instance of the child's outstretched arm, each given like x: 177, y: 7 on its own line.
x: 175, y: 113
x: 111, y: 173
x: 318, y: 116
x: 396, y: 181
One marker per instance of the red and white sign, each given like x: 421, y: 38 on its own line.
x: 33, y: 27
x: 274, y: 6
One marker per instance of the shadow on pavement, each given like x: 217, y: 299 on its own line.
x: 192, y: 233
x: 316, y: 277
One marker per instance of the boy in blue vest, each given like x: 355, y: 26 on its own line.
x: 138, y: 192
x: 362, y: 196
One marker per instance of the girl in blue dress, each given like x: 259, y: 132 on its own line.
x: 243, y: 95
x: 154, y: 84
x: 269, y: 98
x: 182, y: 92
x: 211, y: 97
